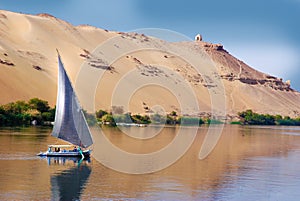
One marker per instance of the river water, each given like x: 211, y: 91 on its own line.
x: 248, y: 163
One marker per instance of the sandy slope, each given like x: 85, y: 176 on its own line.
x: 140, y: 73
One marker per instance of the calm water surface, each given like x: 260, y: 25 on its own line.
x: 248, y: 163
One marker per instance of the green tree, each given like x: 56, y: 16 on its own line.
x: 2, y: 120
x: 22, y: 113
x: 140, y: 119
x: 47, y: 116
x: 100, y: 114
x: 252, y: 118
x: 171, y: 120
x: 108, y: 118
x: 39, y: 105
x: 173, y: 113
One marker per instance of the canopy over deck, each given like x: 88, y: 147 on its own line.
x: 61, y: 146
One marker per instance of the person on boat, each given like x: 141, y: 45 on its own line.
x: 75, y: 149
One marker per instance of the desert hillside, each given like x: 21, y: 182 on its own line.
x: 139, y: 73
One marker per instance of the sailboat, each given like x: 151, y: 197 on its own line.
x: 69, y: 124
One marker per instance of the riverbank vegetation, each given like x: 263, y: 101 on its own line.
x: 21, y: 113
x: 38, y: 112
x: 108, y: 118
x: 249, y: 117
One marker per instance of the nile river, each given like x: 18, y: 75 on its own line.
x: 248, y: 163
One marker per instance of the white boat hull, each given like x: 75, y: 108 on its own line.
x: 86, y: 153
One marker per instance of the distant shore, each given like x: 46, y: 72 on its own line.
x: 38, y: 112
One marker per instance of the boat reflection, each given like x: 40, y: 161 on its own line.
x: 69, y: 184
x: 66, y: 160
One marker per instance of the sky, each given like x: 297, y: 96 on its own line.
x: 263, y: 34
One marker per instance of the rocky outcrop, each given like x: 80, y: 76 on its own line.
x: 86, y: 54
x: 272, y: 82
x: 276, y: 83
x: 37, y: 67
x: 6, y: 62
x: 232, y: 69
x: 46, y: 15
x: 211, y: 46
x: 96, y: 62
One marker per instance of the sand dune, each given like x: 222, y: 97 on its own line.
x: 139, y: 73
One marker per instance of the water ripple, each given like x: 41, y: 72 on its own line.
x: 18, y: 156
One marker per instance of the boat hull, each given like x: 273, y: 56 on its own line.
x: 86, y: 153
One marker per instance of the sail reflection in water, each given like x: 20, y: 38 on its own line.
x: 69, y: 184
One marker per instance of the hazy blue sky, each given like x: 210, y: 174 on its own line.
x: 264, y: 34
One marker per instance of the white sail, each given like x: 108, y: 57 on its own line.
x: 70, y: 123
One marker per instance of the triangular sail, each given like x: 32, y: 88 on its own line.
x: 70, y: 124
